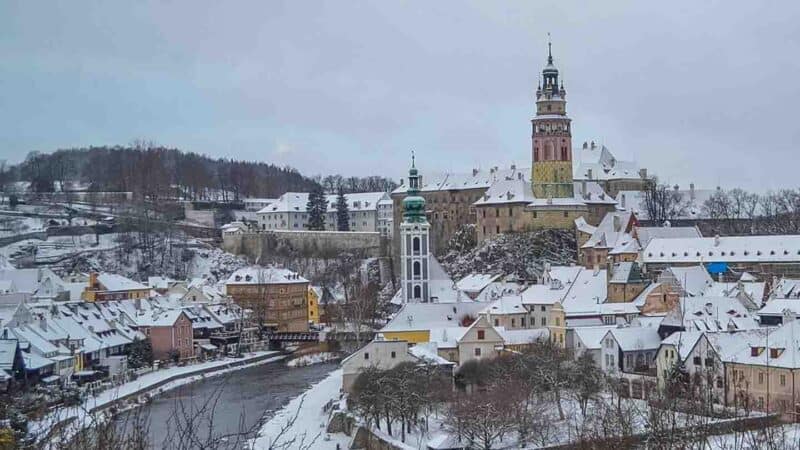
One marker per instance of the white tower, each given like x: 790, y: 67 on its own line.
x: 414, y: 243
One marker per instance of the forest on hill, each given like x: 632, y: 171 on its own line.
x: 155, y: 172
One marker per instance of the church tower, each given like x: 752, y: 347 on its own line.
x: 552, y: 137
x: 414, y: 243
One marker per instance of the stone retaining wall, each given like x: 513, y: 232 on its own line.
x: 322, y: 244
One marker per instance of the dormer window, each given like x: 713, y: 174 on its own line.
x: 775, y: 352
x: 756, y: 351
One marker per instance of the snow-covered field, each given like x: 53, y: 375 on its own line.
x: 144, y: 384
x: 303, y: 420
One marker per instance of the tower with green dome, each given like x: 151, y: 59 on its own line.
x: 414, y: 243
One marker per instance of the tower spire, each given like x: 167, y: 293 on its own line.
x: 549, y: 49
x: 412, y: 159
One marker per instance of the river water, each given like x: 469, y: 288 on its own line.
x: 240, y: 400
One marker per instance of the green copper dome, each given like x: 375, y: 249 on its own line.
x: 413, y: 204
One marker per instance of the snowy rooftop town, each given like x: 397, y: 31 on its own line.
x: 399, y: 226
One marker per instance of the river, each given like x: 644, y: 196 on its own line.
x: 240, y: 401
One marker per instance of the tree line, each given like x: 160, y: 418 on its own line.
x: 728, y: 212
x: 156, y: 172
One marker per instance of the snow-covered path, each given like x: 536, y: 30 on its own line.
x: 311, y: 419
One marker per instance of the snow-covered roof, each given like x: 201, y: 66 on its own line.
x: 710, y: 314
x: 555, y: 283
x: 298, y: 202
x: 694, y: 281
x: 427, y: 353
x: 786, y: 341
x: 776, y: 306
x: 585, y: 193
x: 612, y: 232
x: 591, y: 337
x: 115, y: 283
x: 507, y: 192
x: 425, y: 316
x: 603, y: 165
x: 508, y: 304
x: 476, y: 282
x: 583, y: 226
x: 636, y: 338
x: 36, y: 362
x: 477, y: 179
x: 647, y: 234
x: 161, y: 319
x: 8, y: 350
x: 264, y: 275
x: 587, y: 296
x: 683, y: 342
x: 625, y: 272
x: 777, y: 248
x: 29, y: 280
x: 497, y: 289
x: 447, y: 337
x: 160, y: 282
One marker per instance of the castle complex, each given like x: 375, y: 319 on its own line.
x: 553, y: 193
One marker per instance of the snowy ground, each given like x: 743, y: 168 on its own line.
x: 144, y: 383
x: 304, y: 421
x: 307, y: 360
x: 787, y: 436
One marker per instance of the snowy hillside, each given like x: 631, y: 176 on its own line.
x: 521, y: 254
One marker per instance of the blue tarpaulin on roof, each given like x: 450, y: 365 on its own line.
x: 717, y: 267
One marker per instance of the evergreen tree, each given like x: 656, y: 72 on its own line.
x: 317, y: 207
x: 140, y: 353
x: 342, y: 212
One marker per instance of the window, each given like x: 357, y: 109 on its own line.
x: 394, y: 355
x: 783, y: 380
x: 366, y: 355
x: 543, y: 309
x: 544, y: 321
x: 497, y: 229
x: 558, y: 322
x: 566, y: 213
x: 697, y: 361
x: 417, y: 292
x: 497, y: 212
x: 477, y: 351
x: 417, y: 268
x: 481, y: 335
x: 510, y: 212
x: 760, y: 377
x: 513, y: 322
x: 415, y: 244
x: 522, y: 322
x: 496, y: 322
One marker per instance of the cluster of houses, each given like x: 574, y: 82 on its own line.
x: 84, y: 329
x: 647, y: 303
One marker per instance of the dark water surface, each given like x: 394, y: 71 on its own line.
x: 239, y: 400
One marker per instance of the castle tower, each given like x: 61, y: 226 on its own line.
x: 414, y: 243
x: 552, y: 137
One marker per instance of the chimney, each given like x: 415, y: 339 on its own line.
x: 585, y: 145
x: 513, y: 167
x: 39, y: 275
x: 617, y: 223
x: 589, y: 174
x: 622, y: 201
x: 474, y: 172
x: 675, y: 188
x: 643, y: 173
x: 93, y: 280
x: 43, y: 323
x: 594, y: 145
x: 519, y: 175
x: 716, y: 240
x: 583, y: 187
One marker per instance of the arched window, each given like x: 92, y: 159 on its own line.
x: 417, y: 268
x: 415, y: 245
x: 417, y: 292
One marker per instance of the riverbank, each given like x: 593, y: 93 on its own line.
x: 152, y: 383
x: 305, y: 419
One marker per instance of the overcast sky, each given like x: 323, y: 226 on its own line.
x: 694, y: 91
